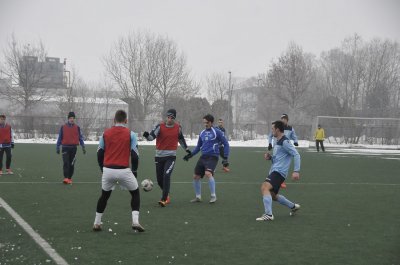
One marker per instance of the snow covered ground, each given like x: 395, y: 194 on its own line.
x: 385, y: 149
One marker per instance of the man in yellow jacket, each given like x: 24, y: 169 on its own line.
x: 319, y: 138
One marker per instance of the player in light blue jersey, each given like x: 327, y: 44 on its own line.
x: 281, y: 159
x: 208, y: 143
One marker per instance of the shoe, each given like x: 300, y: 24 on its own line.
x: 9, y: 171
x: 69, y: 181
x: 226, y: 169
x: 295, y: 208
x: 1, y: 172
x: 265, y: 217
x: 162, y: 203
x: 283, y: 185
x: 66, y: 181
x: 168, y: 200
x: 213, y: 199
x: 137, y: 227
x: 197, y: 199
x: 97, y: 228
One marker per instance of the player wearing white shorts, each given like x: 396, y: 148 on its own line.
x: 117, y: 145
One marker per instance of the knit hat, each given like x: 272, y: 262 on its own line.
x: 285, y: 116
x: 171, y: 113
x: 71, y: 114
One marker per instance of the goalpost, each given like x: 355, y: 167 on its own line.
x: 360, y: 131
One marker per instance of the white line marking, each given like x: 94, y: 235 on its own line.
x: 39, y: 240
x: 220, y: 182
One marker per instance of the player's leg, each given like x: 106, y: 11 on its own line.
x: 66, y: 164
x: 210, y: 165
x: 72, y: 158
x: 168, y: 168
x: 1, y: 160
x: 199, y: 172
x: 8, y: 160
x: 108, y: 181
x: 270, y: 189
x: 159, y: 162
x: 317, y: 145
x: 322, y: 146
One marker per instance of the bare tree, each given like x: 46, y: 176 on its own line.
x: 22, y: 63
x: 292, y: 77
x: 217, y: 86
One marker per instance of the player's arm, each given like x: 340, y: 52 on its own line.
x: 198, y: 146
x: 100, y: 153
x: 81, y: 142
x: 134, y: 154
x: 182, y: 141
x: 153, y: 134
x: 59, y: 139
x: 294, y: 137
x: 222, y: 139
x: 12, y: 138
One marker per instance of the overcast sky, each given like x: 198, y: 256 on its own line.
x: 216, y: 35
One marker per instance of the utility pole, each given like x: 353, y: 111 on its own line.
x: 228, y: 129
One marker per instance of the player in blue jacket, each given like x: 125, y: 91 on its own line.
x: 208, y: 144
x: 281, y: 159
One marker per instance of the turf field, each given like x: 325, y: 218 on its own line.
x: 350, y: 213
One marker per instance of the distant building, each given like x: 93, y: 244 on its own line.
x: 47, y: 74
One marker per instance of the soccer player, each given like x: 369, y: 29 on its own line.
x: 6, y: 144
x: 167, y: 135
x: 281, y: 159
x: 208, y: 143
x: 69, y: 138
x: 116, y: 146
x: 221, y: 145
x: 289, y: 133
x: 319, y: 138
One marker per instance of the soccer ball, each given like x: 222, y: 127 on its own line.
x: 147, y: 185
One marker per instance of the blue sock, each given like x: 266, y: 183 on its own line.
x: 211, y: 184
x: 197, y: 187
x: 267, y: 200
x: 282, y: 200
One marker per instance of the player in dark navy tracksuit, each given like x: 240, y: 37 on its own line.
x: 69, y: 138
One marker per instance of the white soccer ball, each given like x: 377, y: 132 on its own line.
x: 147, y: 185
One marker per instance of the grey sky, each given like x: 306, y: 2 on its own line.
x: 216, y: 35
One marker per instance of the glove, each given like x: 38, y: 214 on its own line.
x: 58, y: 150
x: 146, y: 134
x: 188, y: 152
x: 225, y: 162
x: 269, y: 147
x: 296, y: 144
x: 187, y: 157
x: 84, y: 150
x: 12, y: 146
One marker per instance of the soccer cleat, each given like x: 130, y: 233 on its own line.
x: 295, y: 208
x: 226, y: 169
x: 213, y: 199
x: 97, y: 228
x: 283, y: 185
x: 66, y: 181
x: 137, y: 227
x: 9, y: 171
x: 168, y: 200
x: 69, y: 181
x: 162, y: 203
x: 1, y: 172
x: 197, y: 199
x: 265, y: 217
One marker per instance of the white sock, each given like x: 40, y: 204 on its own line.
x: 97, y: 219
x: 135, y: 217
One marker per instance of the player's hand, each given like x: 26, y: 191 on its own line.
x: 12, y: 146
x: 296, y: 144
x: 267, y: 156
x: 269, y: 147
x: 146, y: 134
x: 295, y: 175
x: 58, y: 151
x: 225, y: 162
x: 84, y: 150
x: 188, y: 152
x: 187, y: 157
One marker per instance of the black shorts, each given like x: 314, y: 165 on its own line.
x: 275, y: 179
x: 206, y: 163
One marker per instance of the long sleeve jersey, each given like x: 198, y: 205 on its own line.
x: 289, y: 133
x: 319, y: 134
x: 208, y: 143
x: 282, y: 157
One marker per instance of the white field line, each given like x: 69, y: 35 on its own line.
x: 39, y: 240
x: 220, y: 182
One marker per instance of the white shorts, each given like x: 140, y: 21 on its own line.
x: 124, y: 177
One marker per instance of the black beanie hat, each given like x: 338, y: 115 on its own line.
x: 71, y: 114
x: 171, y: 112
